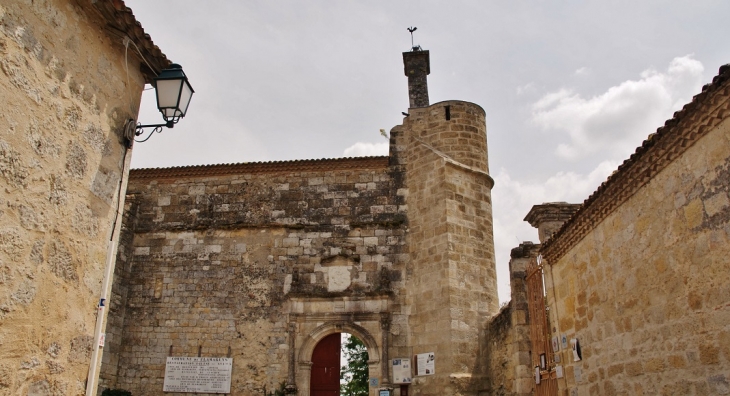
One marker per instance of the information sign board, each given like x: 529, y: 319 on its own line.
x: 402, y: 371
x: 198, y: 375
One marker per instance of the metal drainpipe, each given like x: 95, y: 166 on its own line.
x: 111, y: 256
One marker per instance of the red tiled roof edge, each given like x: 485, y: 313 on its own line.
x: 121, y: 22
x: 706, y: 110
x: 310, y: 165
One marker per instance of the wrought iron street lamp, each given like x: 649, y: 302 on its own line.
x: 173, y: 93
x: 173, y: 98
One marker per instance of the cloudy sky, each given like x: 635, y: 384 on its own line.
x: 570, y: 88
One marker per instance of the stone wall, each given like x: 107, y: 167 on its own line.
x: 117, y: 300
x: 64, y: 96
x: 232, y: 262
x: 645, y: 286
x: 507, y: 336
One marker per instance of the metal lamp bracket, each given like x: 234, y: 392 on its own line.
x: 132, y: 130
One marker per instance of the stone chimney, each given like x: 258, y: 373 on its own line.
x: 549, y: 217
x: 417, y: 66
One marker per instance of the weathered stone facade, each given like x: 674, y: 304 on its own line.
x: 260, y: 261
x: 507, y: 336
x: 639, y: 275
x: 66, y: 90
x: 228, y: 261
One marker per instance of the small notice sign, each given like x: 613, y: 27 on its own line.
x: 425, y: 364
x: 402, y: 371
x: 198, y: 375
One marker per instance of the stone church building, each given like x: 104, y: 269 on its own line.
x: 261, y: 261
x: 627, y: 293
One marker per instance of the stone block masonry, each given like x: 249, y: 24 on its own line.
x: 507, y: 335
x: 644, y: 285
x: 217, y: 260
x: 453, y: 289
x: 66, y: 91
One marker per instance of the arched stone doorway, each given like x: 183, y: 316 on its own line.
x: 305, y: 353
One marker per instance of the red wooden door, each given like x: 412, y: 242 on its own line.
x: 326, y: 367
x: 540, y: 331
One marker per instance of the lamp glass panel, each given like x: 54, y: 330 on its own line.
x: 185, y: 96
x: 168, y: 92
x: 169, y: 113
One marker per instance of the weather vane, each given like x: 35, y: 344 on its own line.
x: 413, y: 47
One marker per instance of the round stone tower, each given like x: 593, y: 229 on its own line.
x: 453, y: 286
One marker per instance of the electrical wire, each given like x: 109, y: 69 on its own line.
x: 142, y: 56
x: 119, y: 195
x: 126, y: 41
x: 132, y: 107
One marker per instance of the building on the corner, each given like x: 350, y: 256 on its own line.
x: 639, y: 273
x: 68, y: 85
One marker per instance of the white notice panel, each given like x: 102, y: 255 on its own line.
x: 198, y: 375
x: 425, y: 364
x: 402, y: 371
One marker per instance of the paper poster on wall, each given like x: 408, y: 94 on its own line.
x: 425, y: 364
x: 402, y: 371
x: 577, y: 374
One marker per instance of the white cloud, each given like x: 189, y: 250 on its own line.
x: 582, y: 71
x: 361, y: 149
x: 616, y: 121
x: 527, y: 88
x: 513, y: 199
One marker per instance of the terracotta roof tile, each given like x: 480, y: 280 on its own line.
x: 120, y: 20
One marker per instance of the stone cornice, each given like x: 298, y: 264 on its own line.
x: 550, y: 211
x: 313, y: 165
x: 706, y: 111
